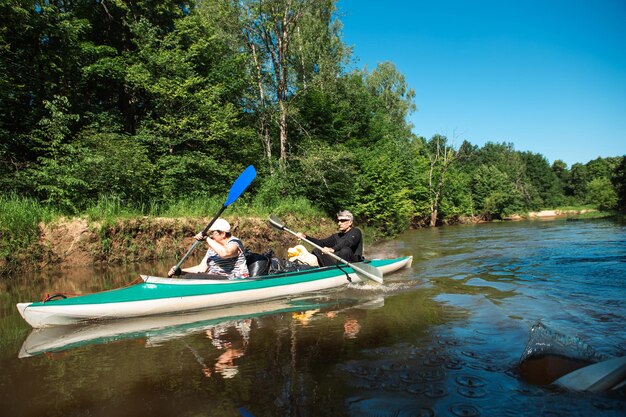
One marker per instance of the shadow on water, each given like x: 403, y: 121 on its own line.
x: 443, y: 338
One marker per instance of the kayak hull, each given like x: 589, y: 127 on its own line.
x: 156, y: 296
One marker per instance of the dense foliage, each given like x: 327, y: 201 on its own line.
x: 148, y: 102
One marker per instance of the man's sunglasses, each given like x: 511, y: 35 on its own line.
x: 343, y: 220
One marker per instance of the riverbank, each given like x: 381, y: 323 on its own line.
x: 73, y: 242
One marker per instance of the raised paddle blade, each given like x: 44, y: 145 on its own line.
x: 240, y: 185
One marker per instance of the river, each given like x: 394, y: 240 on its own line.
x: 442, y: 338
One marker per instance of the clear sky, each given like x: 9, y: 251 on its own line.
x: 547, y: 75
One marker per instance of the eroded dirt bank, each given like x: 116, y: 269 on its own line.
x: 75, y: 242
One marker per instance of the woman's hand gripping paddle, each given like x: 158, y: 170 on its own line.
x: 238, y: 187
x: 366, y: 271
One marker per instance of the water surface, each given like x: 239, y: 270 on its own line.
x: 442, y: 338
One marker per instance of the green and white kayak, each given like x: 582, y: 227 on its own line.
x: 155, y: 295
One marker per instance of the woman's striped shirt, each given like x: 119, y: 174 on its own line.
x: 233, y: 268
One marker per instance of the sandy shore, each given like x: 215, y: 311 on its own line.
x: 555, y: 213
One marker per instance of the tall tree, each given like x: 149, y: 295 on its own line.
x: 578, y: 180
x: 292, y: 43
x: 543, y: 179
x: 441, y: 158
x: 269, y: 29
x: 619, y: 182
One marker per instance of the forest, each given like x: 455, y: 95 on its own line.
x: 150, y: 102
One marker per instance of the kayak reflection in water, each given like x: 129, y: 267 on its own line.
x: 224, y: 258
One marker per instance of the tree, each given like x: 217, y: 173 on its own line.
x: 602, y: 194
x: 392, y: 90
x: 543, y: 179
x: 495, y: 193
x: 273, y: 33
x: 577, y: 184
x: 55, y: 177
x: 441, y: 158
x: 382, y: 191
x: 619, y: 182
x: 192, y: 82
x: 562, y: 173
x: 40, y: 60
x: 325, y: 175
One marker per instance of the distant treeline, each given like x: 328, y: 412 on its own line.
x: 151, y: 101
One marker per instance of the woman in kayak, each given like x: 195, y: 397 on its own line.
x: 224, y: 258
x: 347, y: 244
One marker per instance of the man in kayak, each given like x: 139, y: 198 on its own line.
x: 225, y: 257
x: 347, y: 244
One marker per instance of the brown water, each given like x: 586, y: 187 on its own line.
x: 442, y: 338
x: 543, y: 370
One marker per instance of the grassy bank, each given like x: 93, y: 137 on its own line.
x: 32, y: 236
x: 19, y: 229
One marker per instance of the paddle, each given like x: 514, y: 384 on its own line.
x: 238, y: 187
x: 366, y: 271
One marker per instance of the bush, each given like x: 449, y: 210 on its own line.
x: 600, y: 191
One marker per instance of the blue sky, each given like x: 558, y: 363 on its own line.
x: 548, y: 76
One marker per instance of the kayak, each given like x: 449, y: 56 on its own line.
x: 156, y: 295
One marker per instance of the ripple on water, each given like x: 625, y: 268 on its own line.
x: 454, y: 364
x: 432, y: 375
x: 436, y: 391
x: 470, y: 381
x: 464, y: 410
x: 435, y: 360
x: 387, y: 406
x: 449, y: 342
x: 417, y: 389
x: 472, y: 392
x: 394, y: 366
x: 416, y: 411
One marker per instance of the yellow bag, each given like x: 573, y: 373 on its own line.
x: 300, y: 253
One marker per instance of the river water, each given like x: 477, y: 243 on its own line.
x: 442, y: 338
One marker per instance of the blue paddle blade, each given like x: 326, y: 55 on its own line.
x: 244, y: 412
x: 240, y: 185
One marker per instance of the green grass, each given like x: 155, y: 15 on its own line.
x: 19, y: 220
x: 108, y: 209
x: 198, y: 206
x: 575, y: 208
x: 594, y: 215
